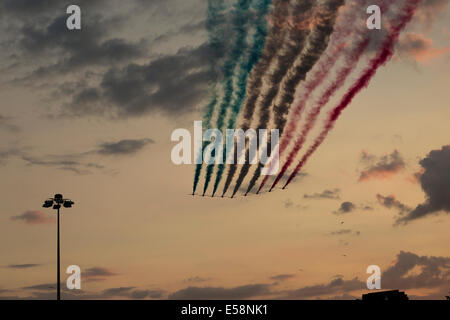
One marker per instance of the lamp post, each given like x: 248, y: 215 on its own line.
x: 56, y: 203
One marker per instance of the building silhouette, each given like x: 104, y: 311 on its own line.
x: 392, y: 295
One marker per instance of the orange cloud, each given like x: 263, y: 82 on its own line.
x: 34, y: 217
x: 420, y: 48
x: 386, y: 166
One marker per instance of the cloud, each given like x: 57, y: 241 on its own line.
x: 70, y: 163
x: 7, y: 124
x: 78, y: 49
x: 435, y: 182
x: 411, y: 271
x: 326, y: 194
x: 391, y: 202
x: 408, y: 271
x: 197, y: 279
x: 42, y: 287
x: 220, y: 293
x: 142, y: 294
x: 5, y: 154
x: 419, y: 48
x: 24, y: 266
x: 385, y: 167
x: 76, y: 162
x: 344, y: 232
x: 282, y: 277
x: 34, y: 217
x: 123, y: 147
x: 25, y: 8
x: 135, y: 90
x: 115, y: 292
x: 429, y: 11
x: 42, y: 27
x: 338, y: 285
x: 130, y: 293
x: 97, y: 274
x: 346, y: 207
x: 108, y: 59
x: 46, y: 291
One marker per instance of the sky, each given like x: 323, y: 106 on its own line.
x: 89, y: 113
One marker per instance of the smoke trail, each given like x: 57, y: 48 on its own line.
x: 363, y: 81
x: 344, y: 29
x: 317, y: 43
x: 274, y: 42
x: 259, y: 38
x: 240, y: 24
x: 314, y: 113
x: 215, y: 24
x: 298, y: 33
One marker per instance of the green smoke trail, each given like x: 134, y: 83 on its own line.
x: 215, y: 24
x: 240, y: 22
x: 259, y: 38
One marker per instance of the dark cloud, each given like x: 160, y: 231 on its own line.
x: 6, y: 123
x: 219, y: 293
x: 346, y: 207
x: 40, y: 26
x: 435, y: 182
x: 171, y: 85
x: 385, y: 167
x: 46, y: 291
x: 143, y: 294
x: 282, y: 277
x: 123, y: 147
x: 34, y: 217
x: 112, y: 76
x: 338, y: 285
x: 131, y: 293
x: 68, y: 163
x: 78, y: 49
x: 344, y: 232
x: 391, y: 202
x: 432, y: 272
x: 430, y: 10
x: 42, y: 287
x: 115, y: 292
x: 26, y: 8
x: 5, y: 154
x: 23, y: 266
x: 189, y: 28
x: 77, y: 162
x: 326, y: 194
x: 97, y: 274
x: 197, y: 279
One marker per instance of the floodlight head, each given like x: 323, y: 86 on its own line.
x: 56, y: 206
x: 58, y: 198
x: 68, y: 203
x: 48, y: 203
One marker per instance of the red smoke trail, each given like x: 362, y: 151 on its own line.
x: 314, y: 113
x: 381, y: 58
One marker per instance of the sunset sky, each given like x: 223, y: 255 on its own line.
x: 90, y: 113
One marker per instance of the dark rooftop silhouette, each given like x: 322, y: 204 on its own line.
x: 392, y: 295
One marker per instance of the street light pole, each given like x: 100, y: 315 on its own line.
x: 58, y: 294
x: 56, y: 202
